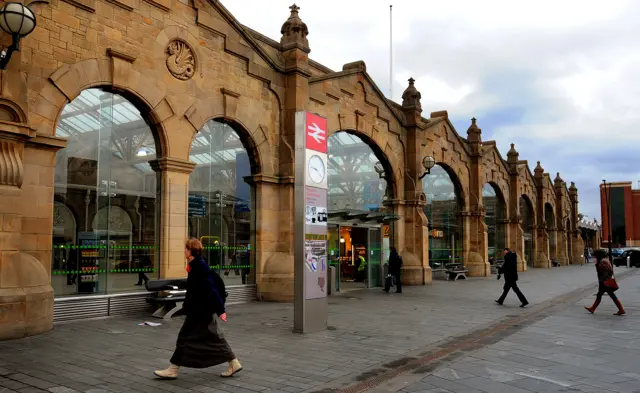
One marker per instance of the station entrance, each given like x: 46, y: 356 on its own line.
x: 358, y: 248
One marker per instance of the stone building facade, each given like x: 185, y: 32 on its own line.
x: 184, y: 63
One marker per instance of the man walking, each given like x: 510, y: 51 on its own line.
x: 510, y: 271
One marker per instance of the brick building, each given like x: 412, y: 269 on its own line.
x: 624, y: 206
x: 128, y: 125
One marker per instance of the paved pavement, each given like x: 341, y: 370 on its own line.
x: 448, y: 337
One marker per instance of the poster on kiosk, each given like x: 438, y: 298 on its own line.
x: 311, y: 221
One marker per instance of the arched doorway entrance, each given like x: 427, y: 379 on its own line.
x: 526, y: 225
x: 495, y: 219
x: 220, y: 202
x: 549, y: 220
x: 357, y: 244
x: 443, y: 209
x: 102, y: 175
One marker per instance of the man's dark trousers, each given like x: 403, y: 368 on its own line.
x: 512, y: 285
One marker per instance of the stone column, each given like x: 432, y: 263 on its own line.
x: 27, y: 166
x: 275, y: 280
x: 562, y: 233
x: 577, y: 243
x: 274, y: 261
x: 173, y: 179
x: 543, y: 256
x: 415, y: 251
x: 516, y: 233
x: 477, y: 260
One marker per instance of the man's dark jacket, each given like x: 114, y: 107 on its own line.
x: 509, y: 268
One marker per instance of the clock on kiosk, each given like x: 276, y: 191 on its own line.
x: 316, y: 169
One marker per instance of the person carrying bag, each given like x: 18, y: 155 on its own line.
x: 606, y: 283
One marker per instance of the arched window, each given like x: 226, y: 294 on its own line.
x: 526, y: 224
x: 220, y: 202
x: 104, y: 174
x: 355, y: 191
x: 496, y: 212
x: 549, y: 219
x: 353, y: 181
x: 445, y: 222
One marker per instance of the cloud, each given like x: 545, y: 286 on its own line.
x: 557, y: 78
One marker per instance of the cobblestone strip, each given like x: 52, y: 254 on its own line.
x: 455, y: 347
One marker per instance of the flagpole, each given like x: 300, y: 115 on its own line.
x: 390, y: 52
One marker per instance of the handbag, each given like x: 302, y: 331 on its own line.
x: 611, y: 284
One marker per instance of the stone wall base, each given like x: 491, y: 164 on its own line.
x: 416, y: 275
x: 25, y: 311
x: 542, y: 261
x: 477, y: 266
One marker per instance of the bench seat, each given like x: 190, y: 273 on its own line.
x: 168, y: 294
x: 456, y: 271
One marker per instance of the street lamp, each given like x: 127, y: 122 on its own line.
x: 379, y: 169
x: 428, y: 162
x: 607, y: 196
x: 19, y: 21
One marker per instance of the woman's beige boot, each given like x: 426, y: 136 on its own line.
x: 234, y: 368
x: 170, y: 373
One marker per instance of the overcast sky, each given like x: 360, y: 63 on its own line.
x: 560, y: 79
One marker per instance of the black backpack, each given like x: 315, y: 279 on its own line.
x: 219, y: 283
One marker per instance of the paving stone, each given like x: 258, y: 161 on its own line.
x: 119, y: 356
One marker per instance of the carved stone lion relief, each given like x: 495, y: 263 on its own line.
x: 181, y: 60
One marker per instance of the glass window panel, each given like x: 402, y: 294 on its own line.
x: 549, y: 219
x: 353, y: 181
x: 526, y: 224
x: 105, y: 221
x: 220, y: 202
x: 445, y: 222
x: 495, y: 213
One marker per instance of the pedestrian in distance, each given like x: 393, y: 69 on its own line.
x: 395, y: 268
x: 606, y: 282
x: 200, y: 344
x: 510, y: 271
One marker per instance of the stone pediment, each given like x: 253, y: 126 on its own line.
x: 239, y: 40
x: 344, y: 82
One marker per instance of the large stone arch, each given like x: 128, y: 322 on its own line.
x: 115, y: 75
x: 445, y: 146
x: 391, y: 166
x: 527, y: 188
x: 254, y: 135
x: 549, y: 194
x: 246, y: 137
x: 499, y: 219
x: 495, y: 172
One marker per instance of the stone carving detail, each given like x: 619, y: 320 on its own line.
x: 11, y: 168
x: 181, y: 60
x: 411, y: 97
x: 294, y: 30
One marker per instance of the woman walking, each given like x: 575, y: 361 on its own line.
x: 200, y: 344
x: 606, y: 282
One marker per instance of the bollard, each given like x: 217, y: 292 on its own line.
x: 628, y: 261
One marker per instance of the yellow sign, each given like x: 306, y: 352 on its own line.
x: 386, y: 230
x: 436, y: 234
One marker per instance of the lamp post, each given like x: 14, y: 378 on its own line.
x: 607, y: 196
x: 17, y: 20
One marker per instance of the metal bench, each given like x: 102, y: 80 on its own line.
x: 456, y: 271
x: 168, y: 295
